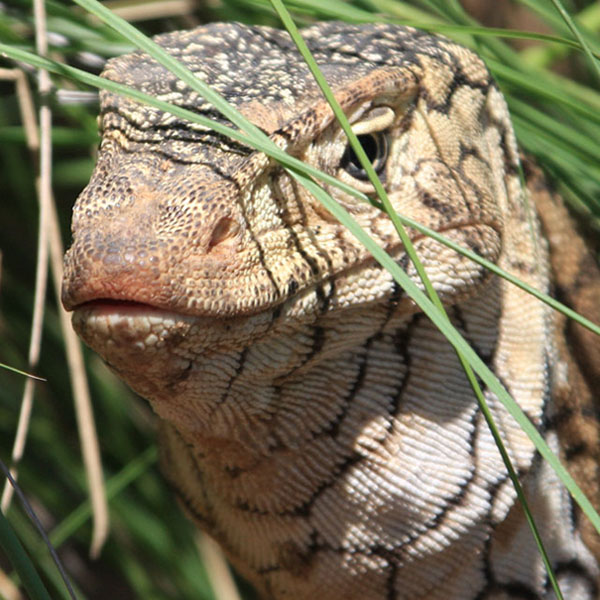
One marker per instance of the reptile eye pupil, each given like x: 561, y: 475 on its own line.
x: 375, y: 147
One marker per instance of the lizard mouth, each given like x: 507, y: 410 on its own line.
x: 114, y: 304
x: 113, y: 327
x: 110, y: 309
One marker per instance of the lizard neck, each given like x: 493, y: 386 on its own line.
x: 342, y: 461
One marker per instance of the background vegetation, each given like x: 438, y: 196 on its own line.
x: 151, y: 551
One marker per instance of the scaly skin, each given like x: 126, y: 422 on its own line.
x: 315, y: 422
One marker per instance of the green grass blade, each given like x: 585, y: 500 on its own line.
x: 357, y: 147
x: 114, y: 486
x: 575, y: 30
x: 20, y: 372
x: 21, y: 562
x: 512, y: 474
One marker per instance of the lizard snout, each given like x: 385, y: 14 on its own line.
x: 137, y: 244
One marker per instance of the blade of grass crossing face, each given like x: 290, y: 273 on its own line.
x: 381, y: 193
x: 454, y: 337
x: 356, y: 146
x: 512, y: 474
x: 173, y: 65
x: 282, y: 157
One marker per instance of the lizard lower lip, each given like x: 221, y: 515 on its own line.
x: 108, y: 323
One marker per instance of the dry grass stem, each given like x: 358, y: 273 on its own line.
x: 33, y: 142
x: 26, y: 106
x: 8, y: 590
x: 49, y: 240
x: 83, y: 404
x: 217, y: 568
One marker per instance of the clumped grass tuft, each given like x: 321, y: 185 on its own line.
x: 551, y: 89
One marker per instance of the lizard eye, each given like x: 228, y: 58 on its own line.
x: 375, y: 146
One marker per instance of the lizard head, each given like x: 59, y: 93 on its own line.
x: 187, y: 244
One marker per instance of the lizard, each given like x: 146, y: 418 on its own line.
x: 313, y: 420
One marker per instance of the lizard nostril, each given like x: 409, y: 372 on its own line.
x: 224, y: 232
